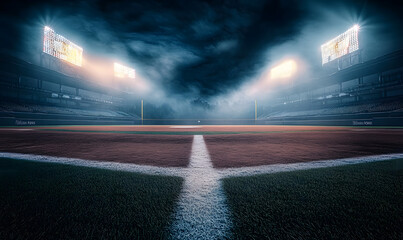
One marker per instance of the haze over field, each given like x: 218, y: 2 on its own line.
x: 201, y: 58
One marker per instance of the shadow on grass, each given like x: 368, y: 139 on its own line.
x: 54, y: 201
x: 363, y: 201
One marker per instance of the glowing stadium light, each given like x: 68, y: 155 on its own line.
x: 341, y: 45
x: 58, y: 46
x: 285, y: 69
x: 123, y: 71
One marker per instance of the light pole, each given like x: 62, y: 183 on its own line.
x: 255, y: 111
x: 142, y: 113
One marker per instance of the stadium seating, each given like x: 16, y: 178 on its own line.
x: 34, y: 108
x: 396, y: 106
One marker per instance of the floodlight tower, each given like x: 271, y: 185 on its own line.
x: 122, y: 71
x: 345, y: 49
x: 255, y: 111
x: 60, y: 53
x: 342, y: 48
x: 284, y: 70
x: 142, y: 112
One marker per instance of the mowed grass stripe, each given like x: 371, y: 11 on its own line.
x: 363, y: 201
x: 54, y: 201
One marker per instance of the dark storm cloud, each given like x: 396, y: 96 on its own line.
x: 238, y: 54
x: 189, y: 48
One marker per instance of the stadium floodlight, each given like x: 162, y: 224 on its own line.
x: 58, y: 46
x: 285, y: 69
x: 341, y: 45
x: 123, y: 71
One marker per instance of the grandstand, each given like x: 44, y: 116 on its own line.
x: 33, y: 95
x: 61, y: 92
x: 367, y: 93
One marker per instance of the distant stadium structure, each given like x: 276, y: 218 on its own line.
x: 340, y: 46
x: 59, y: 91
x: 352, y: 92
x: 33, y: 95
x: 367, y: 93
x: 121, y: 71
x: 60, y: 47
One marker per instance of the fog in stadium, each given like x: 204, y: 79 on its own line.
x: 201, y: 59
x: 227, y: 119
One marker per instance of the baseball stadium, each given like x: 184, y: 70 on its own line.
x: 201, y: 120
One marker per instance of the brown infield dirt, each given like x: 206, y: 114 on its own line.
x: 195, y: 128
x: 156, y: 150
x: 292, y: 147
x: 275, y: 144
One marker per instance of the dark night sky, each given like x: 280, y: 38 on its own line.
x: 201, y: 49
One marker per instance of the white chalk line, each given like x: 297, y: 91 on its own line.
x: 201, y: 211
x: 289, y: 167
x: 182, y: 172
x: 115, y: 166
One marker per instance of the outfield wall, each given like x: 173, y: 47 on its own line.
x: 38, y: 119
x: 398, y: 121
x: 48, y: 119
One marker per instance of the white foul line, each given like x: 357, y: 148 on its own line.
x: 289, y: 167
x: 182, y: 172
x: 115, y: 166
x: 201, y: 212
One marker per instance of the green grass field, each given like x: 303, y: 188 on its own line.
x: 363, y: 201
x: 54, y: 201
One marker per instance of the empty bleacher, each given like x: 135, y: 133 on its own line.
x: 33, y: 108
x: 32, y: 92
